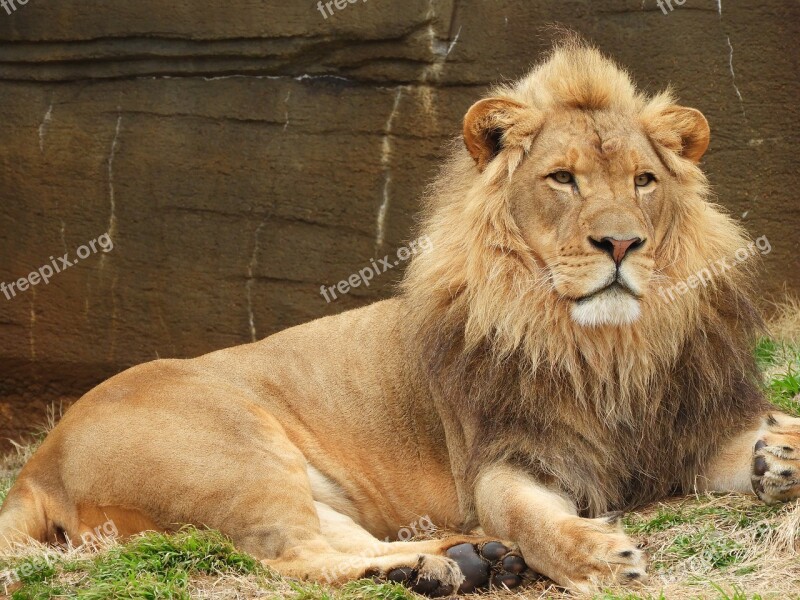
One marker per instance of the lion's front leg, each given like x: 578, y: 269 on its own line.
x: 763, y: 460
x: 577, y: 553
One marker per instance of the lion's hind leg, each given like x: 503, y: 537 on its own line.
x: 36, y: 508
x: 431, y: 567
x: 22, y: 518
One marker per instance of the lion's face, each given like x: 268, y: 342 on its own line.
x: 591, y: 189
x: 588, y: 201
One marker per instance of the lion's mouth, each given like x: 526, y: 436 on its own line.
x: 613, y: 304
x: 617, y: 286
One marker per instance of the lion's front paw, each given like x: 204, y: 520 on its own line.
x: 776, y: 460
x: 596, y: 553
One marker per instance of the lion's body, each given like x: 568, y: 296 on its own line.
x: 526, y: 377
x: 196, y: 420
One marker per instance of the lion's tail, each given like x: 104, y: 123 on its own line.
x: 23, y: 517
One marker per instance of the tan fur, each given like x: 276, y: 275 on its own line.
x: 500, y: 389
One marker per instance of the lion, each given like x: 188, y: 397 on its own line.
x: 525, y: 385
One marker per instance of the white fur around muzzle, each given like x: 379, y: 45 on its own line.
x: 613, y: 307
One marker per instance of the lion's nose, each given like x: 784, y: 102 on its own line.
x: 615, y: 248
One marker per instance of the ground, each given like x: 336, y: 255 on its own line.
x: 722, y: 547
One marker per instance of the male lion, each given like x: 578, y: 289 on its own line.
x: 528, y: 379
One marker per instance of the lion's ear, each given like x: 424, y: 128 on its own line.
x: 486, y: 125
x: 683, y: 130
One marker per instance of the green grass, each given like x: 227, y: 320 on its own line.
x: 356, y: 590
x: 709, y: 545
x: 782, y: 363
x: 783, y: 391
x: 155, y: 566
x: 5, y: 484
x: 669, y: 517
x: 148, y: 567
x: 735, y: 594
x: 706, y: 540
x: 158, y: 564
x: 613, y: 596
x: 766, y: 352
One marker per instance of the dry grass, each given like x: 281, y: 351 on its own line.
x: 723, y: 547
x: 785, y: 323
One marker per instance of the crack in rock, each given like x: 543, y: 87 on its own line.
x: 386, y: 159
x: 32, y: 337
x: 48, y: 116
x: 248, y: 287
x: 454, y: 42
x: 286, y: 112
x: 733, y: 76
x: 63, y: 232
x: 112, y: 219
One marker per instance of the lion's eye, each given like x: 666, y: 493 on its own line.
x: 644, y: 179
x: 563, y: 177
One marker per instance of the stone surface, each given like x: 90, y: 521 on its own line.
x: 242, y: 154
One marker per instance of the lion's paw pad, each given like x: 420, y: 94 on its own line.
x: 487, y: 564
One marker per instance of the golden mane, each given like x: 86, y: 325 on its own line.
x: 480, y: 311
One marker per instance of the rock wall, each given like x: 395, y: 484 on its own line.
x: 241, y: 154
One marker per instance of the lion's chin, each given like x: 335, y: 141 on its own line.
x: 612, y: 307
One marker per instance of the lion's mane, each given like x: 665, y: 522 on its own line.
x: 613, y: 416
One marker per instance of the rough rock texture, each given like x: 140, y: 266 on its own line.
x: 243, y: 153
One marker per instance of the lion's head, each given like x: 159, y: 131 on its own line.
x: 591, y: 199
x: 593, y: 174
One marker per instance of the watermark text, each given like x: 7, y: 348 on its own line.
x: 56, y: 265
x: 367, y: 274
x: 321, y: 7
x: 706, y: 275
